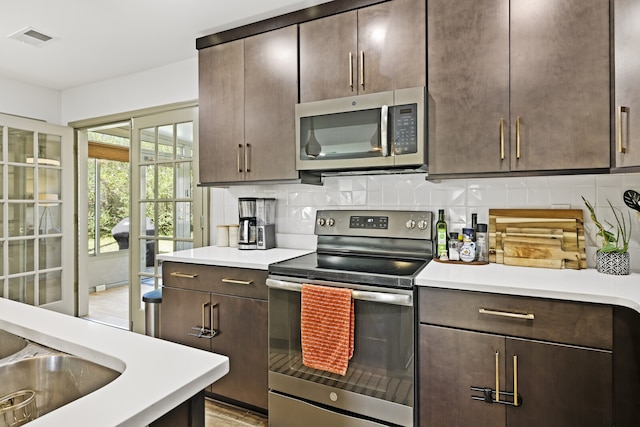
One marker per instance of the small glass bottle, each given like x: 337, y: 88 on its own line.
x: 441, y: 234
x: 482, y: 243
x: 454, y: 248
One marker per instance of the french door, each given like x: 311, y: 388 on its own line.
x: 168, y: 211
x: 37, y: 213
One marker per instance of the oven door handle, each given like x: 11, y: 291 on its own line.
x: 379, y: 297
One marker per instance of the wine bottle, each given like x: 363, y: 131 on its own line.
x: 441, y: 234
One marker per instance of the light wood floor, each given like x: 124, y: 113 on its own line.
x: 218, y: 414
x: 112, y: 307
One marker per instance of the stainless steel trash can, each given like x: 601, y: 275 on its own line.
x: 152, y: 311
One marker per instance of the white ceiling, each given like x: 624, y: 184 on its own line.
x: 96, y: 40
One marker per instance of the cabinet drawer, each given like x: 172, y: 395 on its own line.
x: 224, y: 280
x: 550, y: 320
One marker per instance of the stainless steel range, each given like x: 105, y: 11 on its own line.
x: 377, y: 254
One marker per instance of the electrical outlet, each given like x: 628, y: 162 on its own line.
x: 100, y: 288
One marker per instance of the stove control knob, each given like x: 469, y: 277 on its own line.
x: 331, y: 222
x: 410, y: 224
x: 423, y: 224
x: 320, y: 222
x: 333, y: 396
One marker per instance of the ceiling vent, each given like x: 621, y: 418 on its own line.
x: 30, y: 36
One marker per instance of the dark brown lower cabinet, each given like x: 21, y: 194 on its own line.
x: 535, y: 352
x: 557, y: 385
x: 223, y: 310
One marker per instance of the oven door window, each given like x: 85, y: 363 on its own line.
x: 383, y: 360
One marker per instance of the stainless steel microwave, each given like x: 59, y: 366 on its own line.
x: 382, y: 130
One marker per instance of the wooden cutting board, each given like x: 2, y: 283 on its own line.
x: 549, y: 238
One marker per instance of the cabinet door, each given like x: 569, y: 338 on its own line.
x: 627, y: 83
x: 560, y: 85
x: 182, y: 310
x: 221, y: 110
x: 468, y: 80
x: 271, y: 92
x: 242, y: 336
x: 560, y: 385
x: 328, y: 51
x: 451, y: 361
x: 391, y: 46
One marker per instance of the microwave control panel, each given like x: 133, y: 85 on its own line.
x: 405, y: 128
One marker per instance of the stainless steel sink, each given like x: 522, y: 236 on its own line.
x: 10, y: 344
x: 56, y: 379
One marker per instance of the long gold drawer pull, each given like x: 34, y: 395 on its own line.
x: 247, y: 158
x: 621, y: 109
x: 183, y: 275
x: 501, y: 139
x: 525, y: 316
x: 203, y: 331
x: 497, y: 376
x: 362, y: 68
x: 238, y: 158
x: 518, y: 137
x: 515, y: 380
x: 351, y: 70
x: 238, y: 282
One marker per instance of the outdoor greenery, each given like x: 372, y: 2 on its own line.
x: 114, y: 193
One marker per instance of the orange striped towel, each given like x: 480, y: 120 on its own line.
x: 327, y: 328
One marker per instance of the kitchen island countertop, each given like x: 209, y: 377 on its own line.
x: 156, y: 375
x: 233, y: 257
x: 575, y: 285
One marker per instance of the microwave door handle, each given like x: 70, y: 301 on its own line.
x: 384, y: 123
x: 379, y: 297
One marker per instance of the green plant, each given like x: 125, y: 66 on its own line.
x: 618, y: 242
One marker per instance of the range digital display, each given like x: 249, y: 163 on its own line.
x: 369, y: 222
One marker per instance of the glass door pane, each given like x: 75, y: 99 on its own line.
x: 36, y: 213
x: 163, y: 198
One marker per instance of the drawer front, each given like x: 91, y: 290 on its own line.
x: 224, y: 280
x: 565, y: 322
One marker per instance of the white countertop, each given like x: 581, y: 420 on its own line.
x: 156, y: 375
x: 233, y: 257
x: 577, y: 285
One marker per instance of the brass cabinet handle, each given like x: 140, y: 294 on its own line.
x: 203, y: 331
x: 497, y: 376
x: 351, y: 70
x: 238, y: 158
x: 515, y: 380
x: 621, y: 109
x: 362, y: 68
x: 501, y: 139
x: 518, y: 137
x: 525, y: 316
x: 237, y: 282
x: 184, y: 275
x: 247, y: 158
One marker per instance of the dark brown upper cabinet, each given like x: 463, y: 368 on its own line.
x: 372, y: 49
x: 627, y: 84
x: 518, y: 86
x: 248, y: 89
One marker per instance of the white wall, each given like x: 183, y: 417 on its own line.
x: 297, y: 204
x: 177, y: 82
x: 173, y: 83
x: 30, y: 101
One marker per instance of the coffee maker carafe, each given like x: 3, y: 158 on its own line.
x: 257, y: 223
x: 247, y: 223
